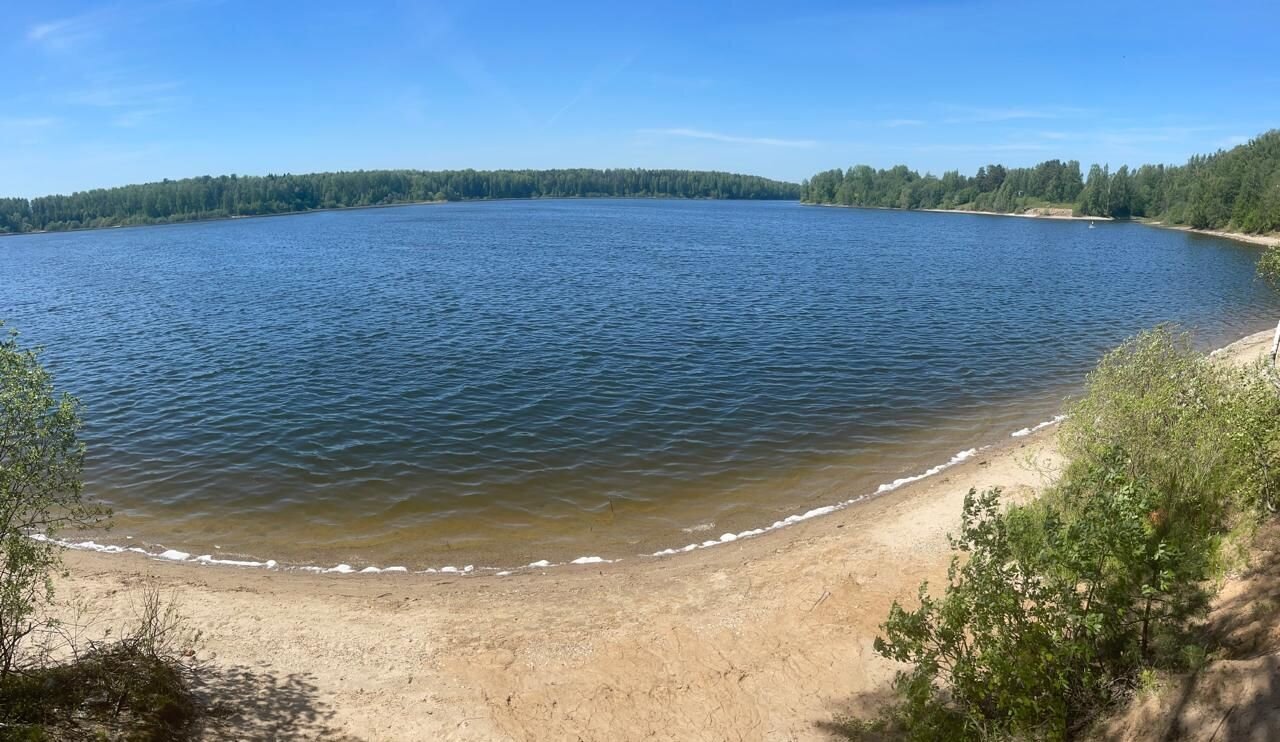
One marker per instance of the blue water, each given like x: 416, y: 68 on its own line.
x: 500, y: 382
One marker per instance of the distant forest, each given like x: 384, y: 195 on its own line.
x: 224, y: 196
x: 1236, y: 189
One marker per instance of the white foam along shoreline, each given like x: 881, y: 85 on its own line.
x: 175, y: 555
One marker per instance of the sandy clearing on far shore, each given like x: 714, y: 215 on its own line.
x: 761, y: 639
x: 1025, y: 214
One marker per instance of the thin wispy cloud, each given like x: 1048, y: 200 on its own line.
x: 132, y: 119
x: 103, y: 23
x: 980, y: 115
x: 898, y: 123
x: 682, y: 82
x: 981, y: 147
x: 20, y: 132
x: 120, y: 96
x: 446, y: 42
x: 600, y: 77
x: 28, y: 123
x: 716, y: 136
x: 1142, y: 135
x: 66, y: 33
x: 129, y: 105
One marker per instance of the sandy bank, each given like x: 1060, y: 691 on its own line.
x: 1032, y: 213
x: 760, y: 639
x: 1266, y: 240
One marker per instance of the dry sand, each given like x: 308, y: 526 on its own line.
x: 1035, y: 212
x: 760, y: 639
x: 1266, y: 240
x: 1038, y: 212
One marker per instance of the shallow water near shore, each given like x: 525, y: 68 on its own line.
x: 502, y: 383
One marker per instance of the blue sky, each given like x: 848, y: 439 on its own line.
x: 102, y: 94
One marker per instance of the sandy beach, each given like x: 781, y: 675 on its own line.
x: 764, y: 638
x: 1033, y: 213
x: 1266, y: 240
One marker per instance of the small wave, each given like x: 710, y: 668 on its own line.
x: 895, y: 484
x: 174, y: 555
x: 790, y: 520
x: 1037, y: 428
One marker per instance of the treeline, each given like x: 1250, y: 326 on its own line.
x: 1237, y: 189
x: 224, y: 196
x: 994, y: 188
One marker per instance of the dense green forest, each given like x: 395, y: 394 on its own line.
x: 230, y: 195
x: 1236, y: 189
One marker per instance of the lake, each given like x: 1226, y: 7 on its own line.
x: 503, y: 382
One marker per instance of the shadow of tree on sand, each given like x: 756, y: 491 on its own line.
x: 1247, y: 623
x: 1237, y: 696
x: 855, y: 718
x: 248, y: 704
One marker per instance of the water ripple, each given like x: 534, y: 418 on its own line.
x: 432, y: 385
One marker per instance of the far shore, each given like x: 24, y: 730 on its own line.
x: 238, y: 217
x: 765, y: 638
x: 1266, y: 240
x: 1044, y: 212
x: 1271, y: 240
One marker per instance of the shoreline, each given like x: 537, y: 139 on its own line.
x: 1023, y: 215
x: 239, y: 217
x: 1265, y: 240
x: 764, y: 638
x: 1269, y: 240
x: 179, y: 553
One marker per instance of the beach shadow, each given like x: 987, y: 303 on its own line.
x: 248, y: 704
x: 1228, y: 701
x: 1248, y: 624
x: 1238, y: 694
x: 854, y: 719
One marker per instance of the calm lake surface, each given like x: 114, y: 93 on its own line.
x: 495, y: 383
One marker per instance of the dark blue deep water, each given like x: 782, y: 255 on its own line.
x: 501, y: 382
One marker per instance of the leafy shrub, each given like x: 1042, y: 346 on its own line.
x: 1269, y: 266
x: 1204, y: 433
x: 40, y: 491
x: 1054, y: 608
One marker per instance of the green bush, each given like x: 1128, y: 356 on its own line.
x: 135, y: 687
x: 1053, y: 609
x: 40, y: 491
x: 1202, y: 432
x: 1269, y: 266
